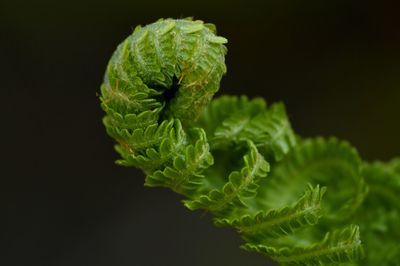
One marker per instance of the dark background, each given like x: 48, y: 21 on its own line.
x: 335, y: 64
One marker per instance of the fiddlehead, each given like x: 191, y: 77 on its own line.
x: 161, y: 76
x: 291, y: 199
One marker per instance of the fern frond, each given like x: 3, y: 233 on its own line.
x: 279, y: 222
x: 163, y: 143
x: 384, y: 179
x: 339, y: 246
x: 225, y: 107
x: 115, y: 121
x: 185, y: 172
x: 135, y: 95
x: 157, y: 93
x: 142, y: 69
x: 379, y: 216
x: 326, y: 162
x: 242, y: 184
x: 231, y: 120
x: 272, y: 132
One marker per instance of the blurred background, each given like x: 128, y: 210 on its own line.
x: 335, y: 64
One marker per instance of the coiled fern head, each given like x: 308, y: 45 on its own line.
x: 298, y: 201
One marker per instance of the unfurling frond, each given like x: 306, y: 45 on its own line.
x: 339, y: 246
x: 230, y: 120
x: 239, y: 159
x: 280, y: 222
x: 326, y: 162
x: 241, y: 185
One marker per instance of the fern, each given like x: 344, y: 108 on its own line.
x: 298, y: 201
x: 279, y: 222
x: 339, y: 246
x: 241, y: 185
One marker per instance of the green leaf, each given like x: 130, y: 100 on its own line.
x: 185, y: 173
x: 384, y: 180
x: 200, y: 65
x: 339, y: 246
x: 140, y: 74
x: 158, y: 146
x: 161, y: 79
x: 241, y: 185
x: 232, y: 120
x: 379, y: 216
x: 271, y: 132
x: 279, y: 222
x: 225, y: 107
x: 326, y: 162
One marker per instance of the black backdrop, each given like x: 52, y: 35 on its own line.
x: 334, y: 63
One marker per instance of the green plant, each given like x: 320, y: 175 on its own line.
x: 298, y: 201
